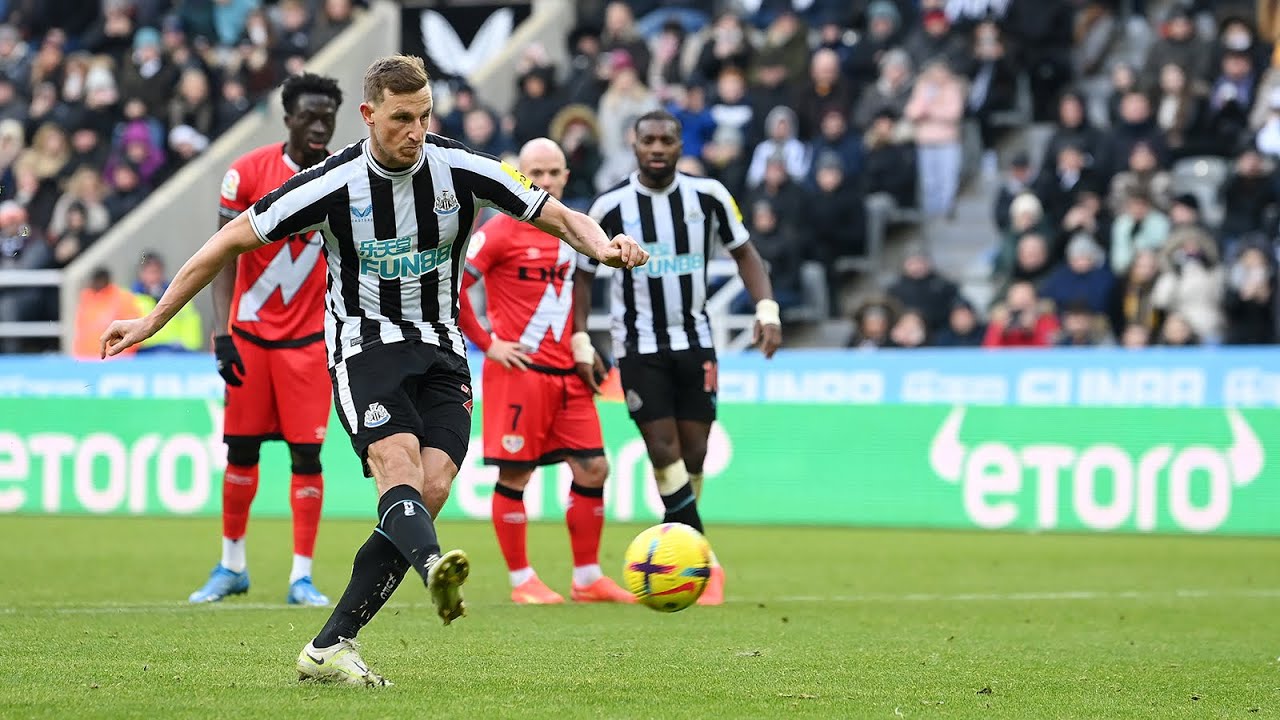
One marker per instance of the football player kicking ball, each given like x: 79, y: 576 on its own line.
x: 269, y: 311
x: 537, y: 411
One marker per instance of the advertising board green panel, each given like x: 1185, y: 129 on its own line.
x: 1031, y: 468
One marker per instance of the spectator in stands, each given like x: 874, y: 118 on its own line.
x: 689, y: 105
x: 147, y: 75
x: 1180, y: 112
x: 183, y: 333
x: 334, y: 17
x: 1142, y: 175
x: 49, y: 154
x: 626, y: 99
x: 934, y: 40
x: 772, y: 87
x: 46, y: 109
x: 780, y: 127
x: 1140, y: 226
x: 620, y: 33
x: 1022, y: 320
x: 1192, y: 282
x: 1017, y: 180
x: 1044, y: 30
x: 993, y: 81
x: 726, y: 159
x: 783, y: 248
x: 1250, y: 302
x: 909, y: 330
x: 1082, y: 278
x: 1132, y: 296
x: 834, y: 137
x: 825, y: 90
x: 733, y: 108
x: 785, y: 39
x: 1135, y: 125
x: 1032, y: 262
x: 1236, y: 34
x: 1268, y: 138
x: 536, y: 105
x: 1249, y: 198
x: 12, y: 106
x: 86, y: 189
x: 293, y: 34
x: 12, y: 140
x: 884, y: 23
x: 193, y: 104
x: 1060, y: 184
x: 15, y: 61
x: 666, y: 69
x: 88, y: 151
x: 127, y: 189
x: 1135, y: 337
x: 35, y: 194
x: 22, y: 247
x: 73, y: 236
x: 727, y: 46
x: 890, y: 172
x: 1184, y: 209
x: 587, y: 72
x: 136, y: 113
x: 233, y: 104
x: 101, y: 302
x: 1086, y: 216
x: 1230, y: 102
x: 1179, y: 46
x: 921, y: 287
x: 138, y: 146
x: 785, y: 196
x: 1083, y: 326
x: 936, y: 109
x: 963, y: 327
x: 1177, y: 332
x: 185, y: 143
x: 836, y: 216
x: 872, y: 321
x: 575, y: 130
x: 1026, y: 215
x: 480, y: 132
x: 890, y: 91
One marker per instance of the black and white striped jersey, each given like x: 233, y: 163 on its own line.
x: 394, y: 239
x: 662, y: 305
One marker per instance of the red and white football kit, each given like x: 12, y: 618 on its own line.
x: 545, y: 414
x: 277, y: 318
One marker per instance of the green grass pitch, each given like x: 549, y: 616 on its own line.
x: 820, y: 623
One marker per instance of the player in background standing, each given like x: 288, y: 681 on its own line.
x: 536, y: 410
x: 269, y: 317
x: 661, y: 333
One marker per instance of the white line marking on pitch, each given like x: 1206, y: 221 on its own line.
x: 1062, y: 596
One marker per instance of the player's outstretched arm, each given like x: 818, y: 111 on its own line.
x: 587, y: 237
x: 235, y: 238
x: 767, y: 332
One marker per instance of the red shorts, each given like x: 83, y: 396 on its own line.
x: 284, y: 395
x: 534, y: 418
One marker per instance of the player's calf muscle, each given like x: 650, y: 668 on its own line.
x: 395, y: 461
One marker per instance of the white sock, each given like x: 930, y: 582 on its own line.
x: 584, y: 575
x: 233, y: 554
x: 520, y: 577
x: 301, y: 568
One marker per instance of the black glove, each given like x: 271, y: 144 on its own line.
x: 230, y: 366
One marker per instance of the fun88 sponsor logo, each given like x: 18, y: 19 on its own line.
x: 396, y: 258
x: 663, y: 260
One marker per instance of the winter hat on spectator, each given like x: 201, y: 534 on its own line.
x: 1082, y: 245
x: 1187, y: 200
x: 620, y: 60
x: 570, y: 115
x: 1020, y: 159
x: 146, y: 37
x: 99, y: 77
x: 884, y: 9
x: 781, y: 113
x: 828, y: 160
x: 187, y: 135
x: 934, y: 16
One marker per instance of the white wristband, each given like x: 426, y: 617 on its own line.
x: 767, y: 312
x: 583, y: 350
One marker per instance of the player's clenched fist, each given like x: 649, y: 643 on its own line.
x: 124, y: 334
x: 624, y: 252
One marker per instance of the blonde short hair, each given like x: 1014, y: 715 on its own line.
x: 398, y: 73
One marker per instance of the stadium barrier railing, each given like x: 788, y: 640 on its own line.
x: 14, y: 278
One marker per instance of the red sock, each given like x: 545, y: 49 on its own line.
x: 509, y: 524
x: 585, y: 518
x: 239, y: 485
x: 306, y: 496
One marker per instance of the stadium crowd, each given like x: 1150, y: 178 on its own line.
x: 816, y: 114
x: 102, y: 100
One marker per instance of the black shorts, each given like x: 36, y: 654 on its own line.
x: 405, y: 387
x: 680, y: 384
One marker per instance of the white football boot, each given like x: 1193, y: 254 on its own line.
x: 340, y: 663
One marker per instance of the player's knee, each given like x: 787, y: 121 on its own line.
x: 305, y: 459
x: 516, y: 479
x: 243, y: 453
x: 435, y: 493
x: 591, y: 472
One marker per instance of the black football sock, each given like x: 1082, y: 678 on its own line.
x: 405, y: 520
x: 376, y: 573
x: 682, y: 508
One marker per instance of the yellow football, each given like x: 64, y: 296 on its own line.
x: 667, y: 566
